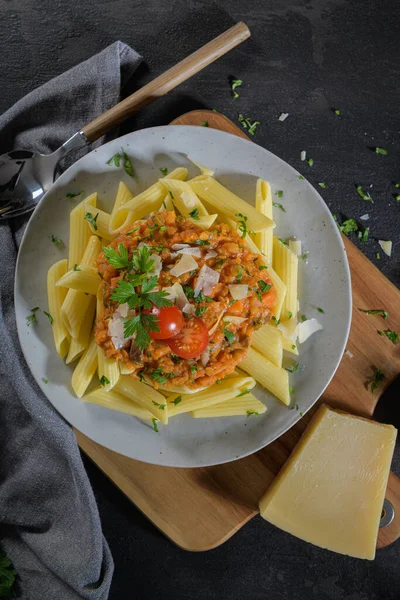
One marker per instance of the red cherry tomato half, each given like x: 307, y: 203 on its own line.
x: 169, y: 320
x: 192, y: 340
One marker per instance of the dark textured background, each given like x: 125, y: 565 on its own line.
x: 303, y: 58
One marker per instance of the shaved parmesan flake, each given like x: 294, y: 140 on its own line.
x: 176, y: 294
x: 206, y: 281
x: 180, y: 246
x: 157, y: 266
x: 349, y: 354
x: 186, y: 264
x: 188, y: 309
x: 205, y: 357
x: 386, y: 246
x: 283, y: 116
x: 210, y: 254
x: 214, y: 327
x: 303, y: 155
x: 191, y: 251
x: 238, y: 290
x: 234, y: 320
x: 295, y: 247
x: 307, y: 328
x: 364, y: 217
x: 116, y: 332
x: 289, y: 329
x: 123, y: 309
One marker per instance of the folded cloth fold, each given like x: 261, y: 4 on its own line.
x: 49, y: 522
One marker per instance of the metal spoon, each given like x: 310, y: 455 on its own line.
x: 25, y: 176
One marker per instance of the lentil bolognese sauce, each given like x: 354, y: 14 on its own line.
x: 181, y: 303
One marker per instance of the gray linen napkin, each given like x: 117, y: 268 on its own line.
x: 49, y: 522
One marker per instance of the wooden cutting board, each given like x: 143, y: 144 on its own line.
x: 215, y: 502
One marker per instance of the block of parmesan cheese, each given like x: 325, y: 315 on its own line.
x: 330, y: 491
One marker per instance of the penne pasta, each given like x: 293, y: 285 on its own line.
x: 76, y: 303
x: 125, y: 370
x: 286, y: 266
x: 144, y: 395
x: 107, y: 369
x: 205, y: 221
x: 263, y: 239
x: 268, y: 341
x: 290, y: 346
x: 99, y: 222
x: 184, y: 198
x: 227, y: 389
x: 85, y: 369
x: 204, y: 170
x: 85, y: 280
x: 238, y: 406
x: 225, y: 201
x: 56, y: 296
x: 79, y: 343
x: 79, y: 231
x: 118, y: 219
x: 273, y: 378
x: 115, y: 401
x: 167, y: 203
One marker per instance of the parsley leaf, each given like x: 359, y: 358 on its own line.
x: 279, y: 206
x: 202, y: 242
x: 264, y: 287
x: 128, y: 165
x: 252, y: 412
x: 381, y: 151
x: 177, y: 400
x: 56, y: 240
x: 279, y: 193
x: 92, y: 220
x: 239, y: 275
x: 247, y: 124
x: 50, y: 318
x: 76, y: 268
x: 229, y: 336
x: 242, y: 225
x: 104, y: 380
x: 159, y: 376
x: 293, y: 368
x: 195, y: 214
x: 283, y: 241
x: 235, y: 83
x: 320, y: 310
x: 117, y: 258
x: 322, y: 185
x: 242, y: 393
x: 164, y: 171
x: 189, y: 291
x: 71, y: 195
x: 262, y: 267
x: 114, y: 160
x: 362, y: 194
x: 200, y: 310
x: 378, y: 311
x: 363, y: 235
x: 154, y: 421
x: 348, y: 226
x: 391, y: 335
x: 310, y: 162
x: 32, y: 317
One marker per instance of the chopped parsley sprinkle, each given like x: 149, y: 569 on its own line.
x: 159, y: 375
x: 251, y: 412
x: 32, y: 317
x: 200, y: 310
x: 193, y: 369
x: 262, y: 267
x: 279, y: 193
x: 243, y: 393
x: 320, y: 310
x: 202, y: 242
x: 336, y: 111
x: 132, y: 231
x: 363, y: 235
x: 291, y: 389
x: 322, y: 185
x: 348, y: 226
x: 104, y: 380
x: 55, y: 240
x: 164, y: 171
x: 275, y: 320
x: 128, y: 165
x: 205, y: 124
x: 304, y: 256
x: 397, y: 185
x: 391, y: 335
x: 171, y: 194
x: 362, y: 195
x: 92, y: 220
x: 264, y: 287
x: 293, y: 346
x: 378, y: 377
x: 239, y: 274
x: 50, y: 318
x: 114, y: 160
x: 160, y: 406
x: 310, y: 162
x: 283, y: 241
x: 45, y: 380
x: 154, y: 421
x: 301, y: 177
x: 381, y: 151
x: 163, y: 228
x: 290, y: 314
x: 378, y: 255
x: 303, y: 318
x: 229, y: 336
x: 293, y: 368
x: 177, y: 400
x: 247, y: 124
x: 195, y: 214
x: 242, y: 225
x: 71, y: 195
x: 397, y: 197
x: 75, y: 267
x: 378, y: 311
x: 279, y: 206
x: 235, y: 84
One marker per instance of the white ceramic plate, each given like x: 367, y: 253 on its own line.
x: 324, y: 282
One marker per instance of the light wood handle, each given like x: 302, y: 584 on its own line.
x: 167, y: 81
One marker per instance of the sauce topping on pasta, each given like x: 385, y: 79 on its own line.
x: 219, y: 285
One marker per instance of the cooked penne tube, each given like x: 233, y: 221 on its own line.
x: 99, y: 221
x: 286, y: 266
x: 223, y: 200
x: 263, y: 239
x: 204, y: 170
x: 79, y: 231
x: 167, y: 203
x: 118, y: 218
x: 184, y: 198
x: 273, y: 378
x: 85, y: 369
x: 144, y: 395
x: 81, y: 342
x: 124, y: 369
x: 205, y: 221
x: 290, y: 346
x: 115, y: 401
x: 107, y: 369
x: 85, y: 280
x: 76, y: 303
x: 56, y: 297
x: 268, y: 341
x: 239, y: 406
x: 227, y: 389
